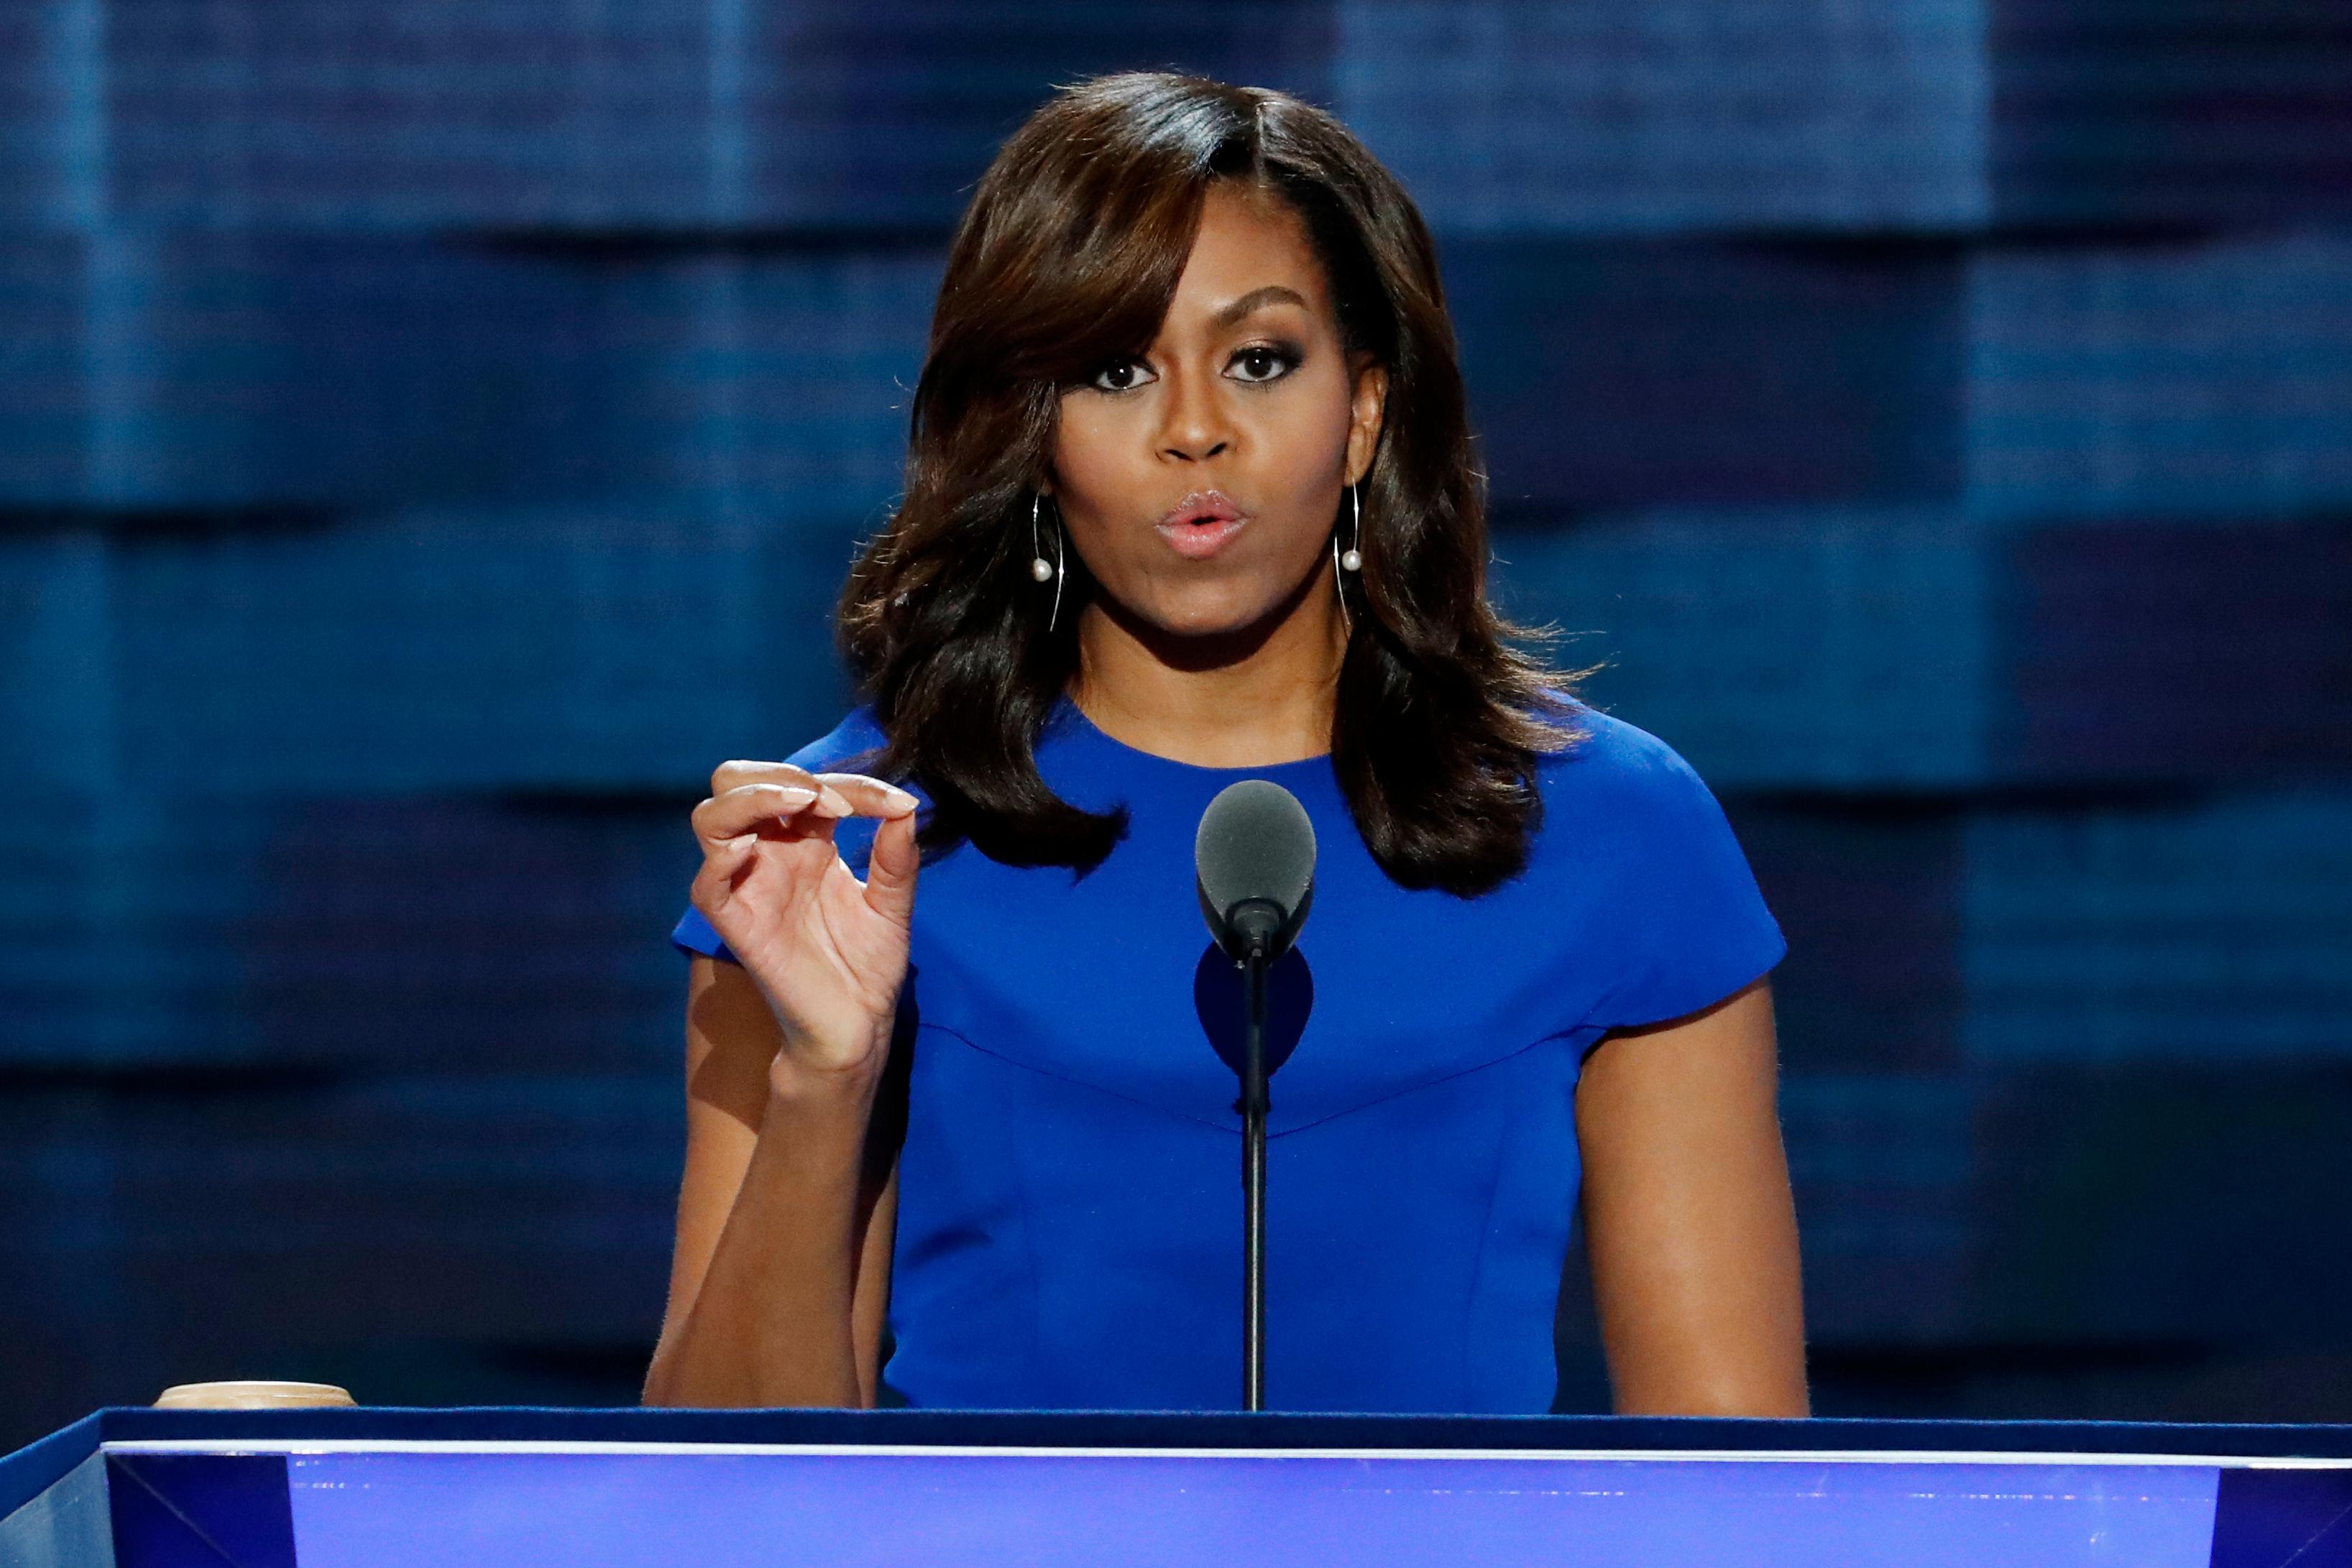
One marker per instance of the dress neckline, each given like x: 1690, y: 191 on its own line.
x: 1071, y: 719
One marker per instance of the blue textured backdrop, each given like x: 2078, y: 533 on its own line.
x: 431, y: 434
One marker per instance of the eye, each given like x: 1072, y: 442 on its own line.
x: 1109, y: 378
x: 1267, y: 362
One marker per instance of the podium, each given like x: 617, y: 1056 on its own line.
x: 600, y: 1489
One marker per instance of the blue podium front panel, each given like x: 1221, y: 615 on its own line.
x: 362, y: 1504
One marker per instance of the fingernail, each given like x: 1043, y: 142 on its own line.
x: 902, y: 799
x: 795, y: 793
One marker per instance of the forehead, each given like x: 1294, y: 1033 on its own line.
x: 1248, y: 239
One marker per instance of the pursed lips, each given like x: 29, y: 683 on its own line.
x: 1201, y: 524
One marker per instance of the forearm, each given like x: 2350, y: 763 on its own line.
x: 1688, y: 1220
x: 770, y: 1323
x: 1703, y: 1339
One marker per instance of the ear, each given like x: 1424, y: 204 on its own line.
x: 1366, y: 414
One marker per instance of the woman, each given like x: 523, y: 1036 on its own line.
x: 1189, y: 499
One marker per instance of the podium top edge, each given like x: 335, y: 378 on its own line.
x: 1214, y: 1430
x: 29, y: 1470
x: 299, y: 1447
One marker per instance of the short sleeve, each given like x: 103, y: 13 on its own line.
x: 693, y: 935
x: 842, y: 750
x: 1688, y: 923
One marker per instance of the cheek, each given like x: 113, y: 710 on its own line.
x: 1092, y: 450
x: 1097, y: 481
x: 1313, y: 436
x: 1307, y: 443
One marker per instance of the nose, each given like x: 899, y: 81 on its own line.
x: 1194, y: 425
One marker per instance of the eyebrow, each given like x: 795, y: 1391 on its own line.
x: 1273, y: 293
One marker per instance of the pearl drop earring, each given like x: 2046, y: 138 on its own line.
x: 1343, y: 563
x: 1042, y: 569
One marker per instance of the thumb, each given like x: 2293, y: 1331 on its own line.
x: 891, y: 870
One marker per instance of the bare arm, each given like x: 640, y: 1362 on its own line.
x: 778, y: 1282
x: 783, y: 1213
x: 1688, y: 1219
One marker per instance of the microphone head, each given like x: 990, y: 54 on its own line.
x: 1253, y: 862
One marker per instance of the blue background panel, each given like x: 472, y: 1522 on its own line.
x: 1868, y: 890
x: 45, y: 368
x: 1674, y: 115
x: 1917, y: 650
x: 483, y: 1235
x: 1818, y: 650
x: 2204, y: 375
x: 1551, y: 118
x: 2169, y: 111
x: 187, y: 933
x: 52, y: 128
x: 1884, y: 1167
x: 683, y: 115
x: 340, y: 115
x: 2201, y: 930
x: 552, y: 648
x: 2187, y: 1208
x: 206, y: 370
x: 1641, y: 373
x: 2139, y: 651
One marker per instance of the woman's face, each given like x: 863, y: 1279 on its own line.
x: 1245, y: 412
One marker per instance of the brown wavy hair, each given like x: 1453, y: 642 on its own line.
x: 1066, y: 259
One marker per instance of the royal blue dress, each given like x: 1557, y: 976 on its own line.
x: 1070, y: 1202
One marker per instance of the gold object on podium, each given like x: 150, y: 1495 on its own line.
x: 250, y: 1396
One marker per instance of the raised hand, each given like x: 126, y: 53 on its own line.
x: 827, y: 951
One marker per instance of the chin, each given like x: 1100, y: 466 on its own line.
x: 1209, y: 616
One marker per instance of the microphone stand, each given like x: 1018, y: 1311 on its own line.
x: 1253, y: 871
x: 1254, y: 1106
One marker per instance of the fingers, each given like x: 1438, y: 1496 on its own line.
x: 891, y: 870
x: 842, y: 794
x: 758, y: 793
x: 868, y: 797
x: 719, y: 863
x: 749, y: 795
x: 740, y: 810
x: 732, y: 774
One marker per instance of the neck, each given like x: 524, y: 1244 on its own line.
x: 1249, y: 698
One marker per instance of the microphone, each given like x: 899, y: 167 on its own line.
x: 1253, y: 864
x: 1254, y: 868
